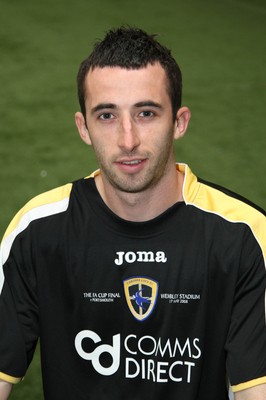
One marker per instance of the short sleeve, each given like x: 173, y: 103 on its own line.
x: 18, y: 313
x: 246, y: 342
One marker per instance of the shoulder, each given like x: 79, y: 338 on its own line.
x: 48, y: 203
x: 214, y: 199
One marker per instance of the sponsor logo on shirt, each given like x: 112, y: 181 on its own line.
x: 147, y: 357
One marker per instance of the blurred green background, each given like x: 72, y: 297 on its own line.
x: 221, y: 48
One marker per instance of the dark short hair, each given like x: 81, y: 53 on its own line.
x: 131, y: 48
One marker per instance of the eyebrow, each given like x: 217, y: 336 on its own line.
x: 148, y: 103
x: 104, y: 106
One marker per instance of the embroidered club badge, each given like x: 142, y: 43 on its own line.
x: 141, y: 296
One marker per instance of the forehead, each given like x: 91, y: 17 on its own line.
x: 111, y: 84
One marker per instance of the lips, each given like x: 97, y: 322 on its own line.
x: 131, y: 166
x: 133, y: 162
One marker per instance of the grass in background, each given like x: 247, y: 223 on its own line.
x: 220, y: 47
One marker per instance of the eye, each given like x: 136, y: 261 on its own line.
x: 106, y: 116
x: 146, y: 114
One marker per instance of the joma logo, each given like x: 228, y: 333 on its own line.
x: 139, y: 256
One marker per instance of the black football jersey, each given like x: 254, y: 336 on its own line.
x: 169, y: 308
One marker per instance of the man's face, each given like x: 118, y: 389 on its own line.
x: 130, y: 125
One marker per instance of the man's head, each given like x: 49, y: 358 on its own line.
x: 131, y: 48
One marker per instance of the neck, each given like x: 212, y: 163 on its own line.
x: 146, y: 205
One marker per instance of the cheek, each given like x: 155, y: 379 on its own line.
x: 98, y: 148
x: 164, y: 138
x: 103, y: 150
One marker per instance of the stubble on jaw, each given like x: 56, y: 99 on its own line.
x: 139, y: 182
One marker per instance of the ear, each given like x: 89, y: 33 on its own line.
x: 82, y: 128
x: 181, y: 123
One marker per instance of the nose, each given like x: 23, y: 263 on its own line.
x: 128, y: 138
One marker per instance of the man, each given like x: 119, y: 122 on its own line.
x: 142, y: 281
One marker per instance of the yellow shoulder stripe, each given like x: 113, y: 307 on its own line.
x: 232, y: 209
x: 51, y: 197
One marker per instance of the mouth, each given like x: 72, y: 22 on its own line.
x: 132, y: 162
x: 131, y: 166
